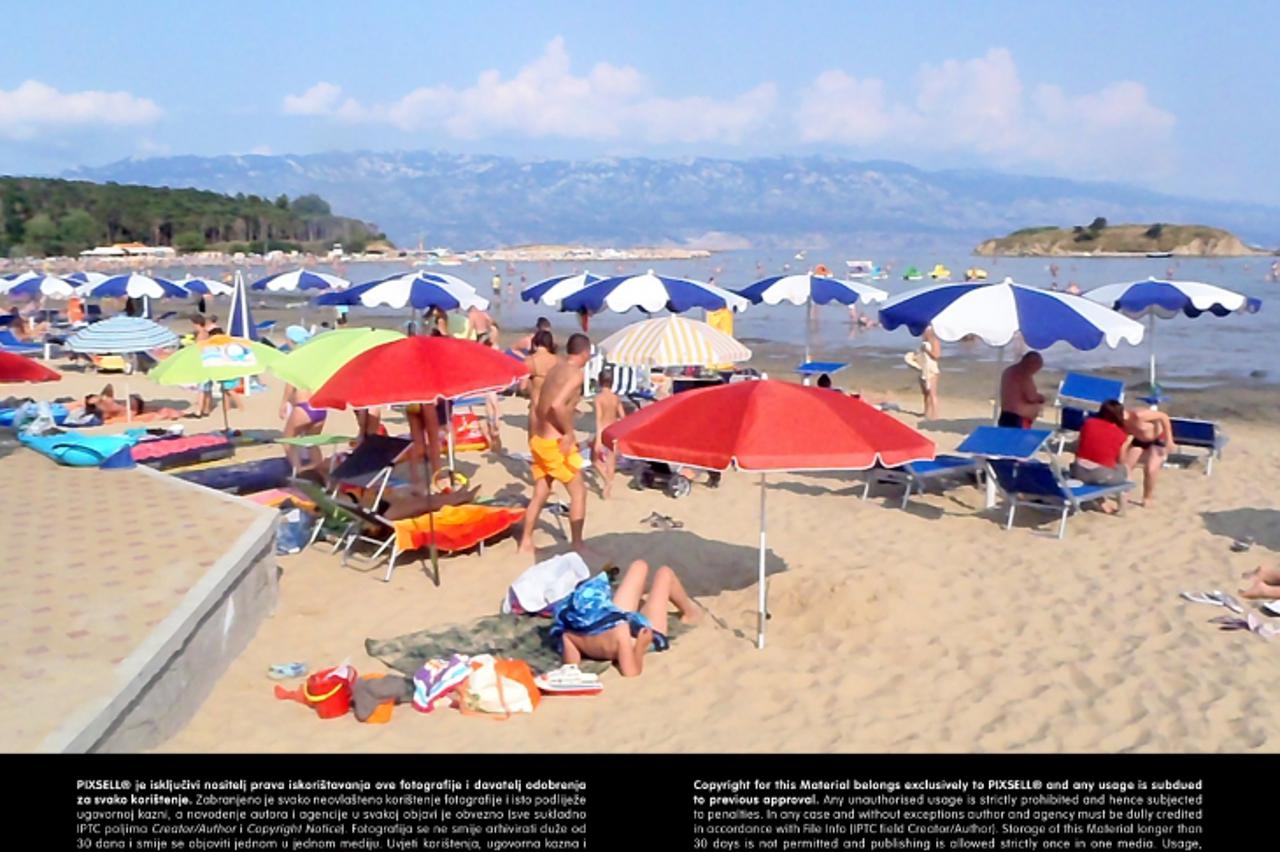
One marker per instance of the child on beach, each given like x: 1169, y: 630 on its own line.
x: 608, y: 411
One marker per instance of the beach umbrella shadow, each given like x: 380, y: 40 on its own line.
x: 1261, y: 525
x: 959, y: 426
x: 706, y: 567
x: 840, y: 486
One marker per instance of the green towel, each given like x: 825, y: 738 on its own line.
x: 517, y: 637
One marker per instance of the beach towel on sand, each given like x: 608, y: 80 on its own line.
x: 517, y: 637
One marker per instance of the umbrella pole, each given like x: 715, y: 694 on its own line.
x: 431, y: 527
x: 1151, y: 339
x: 995, y: 406
x: 808, y: 319
x: 448, y: 424
x: 760, y: 582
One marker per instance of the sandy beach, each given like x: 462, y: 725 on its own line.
x: 918, y: 630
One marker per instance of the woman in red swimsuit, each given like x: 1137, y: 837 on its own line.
x: 1100, y: 450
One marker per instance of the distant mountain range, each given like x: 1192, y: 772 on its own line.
x: 784, y: 202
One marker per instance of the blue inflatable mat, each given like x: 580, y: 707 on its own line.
x: 109, y: 451
x: 243, y: 478
x: 59, y: 415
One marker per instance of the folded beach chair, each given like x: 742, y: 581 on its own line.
x: 969, y: 461
x: 1038, y: 485
x: 1202, y: 435
x: 369, y: 466
x: 1079, y: 395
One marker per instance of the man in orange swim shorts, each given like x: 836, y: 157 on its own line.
x: 554, y: 445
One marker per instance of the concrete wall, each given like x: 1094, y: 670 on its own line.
x: 166, y: 679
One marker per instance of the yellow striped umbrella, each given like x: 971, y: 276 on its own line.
x: 672, y: 341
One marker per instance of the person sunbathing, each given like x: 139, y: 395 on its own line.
x: 404, y: 504
x: 106, y: 406
x: 617, y: 628
x: 1265, y: 585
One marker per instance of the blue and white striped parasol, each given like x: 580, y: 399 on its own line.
x: 135, y: 286
x: 651, y: 293
x: 301, y: 279
x: 240, y: 322
x: 85, y: 277
x: 419, y: 290
x: 121, y: 335
x: 552, y: 291
x: 996, y: 312
x: 28, y: 286
x: 205, y: 286
x: 1167, y: 299
x: 806, y: 288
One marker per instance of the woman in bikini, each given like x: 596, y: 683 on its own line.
x: 301, y: 419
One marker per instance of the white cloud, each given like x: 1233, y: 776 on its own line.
x: 33, y: 107
x: 545, y: 98
x: 980, y: 106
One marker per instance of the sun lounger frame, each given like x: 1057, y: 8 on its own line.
x: 1066, y: 500
x: 1191, y: 433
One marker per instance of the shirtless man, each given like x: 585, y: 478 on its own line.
x: 1152, y: 442
x: 608, y: 411
x: 617, y: 644
x: 554, y: 445
x: 1020, y: 402
x: 480, y: 325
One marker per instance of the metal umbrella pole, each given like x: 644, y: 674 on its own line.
x: 1151, y: 338
x: 760, y: 582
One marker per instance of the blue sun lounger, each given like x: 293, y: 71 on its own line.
x: 1202, y: 435
x: 968, y: 461
x: 1079, y: 395
x: 1036, y: 485
x: 10, y: 343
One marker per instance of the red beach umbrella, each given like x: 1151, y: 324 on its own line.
x: 418, y: 370
x: 19, y: 368
x: 767, y: 426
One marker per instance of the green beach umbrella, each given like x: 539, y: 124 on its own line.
x: 219, y: 359
x: 311, y: 364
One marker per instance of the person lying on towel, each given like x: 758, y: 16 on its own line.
x: 106, y: 406
x: 404, y: 504
x: 598, y: 623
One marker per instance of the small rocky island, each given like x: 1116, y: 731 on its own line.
x: 1099, y: 239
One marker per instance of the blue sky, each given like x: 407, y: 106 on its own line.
x: 1179, y: 96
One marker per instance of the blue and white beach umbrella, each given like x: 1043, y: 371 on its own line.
x: 29, y: 286
x: 651, y: 293
x: 418, y: 290
x: 135, y: 286
x: 996, y: 312
x: 552, y: 291
x: 1167, y: 299
x: 121, y: 335
x: 205, y: 286
x: 301, y: 279
x: 806, y: 288
x: 240, y: 322
x: 8, y: 282
x: 85, y: 277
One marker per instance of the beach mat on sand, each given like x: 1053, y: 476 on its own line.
x: 517, y: 637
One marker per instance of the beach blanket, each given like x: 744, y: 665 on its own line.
x: 517, y: 637
x: 181, y: 450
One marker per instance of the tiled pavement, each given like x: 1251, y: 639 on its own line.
x: 92, y: 562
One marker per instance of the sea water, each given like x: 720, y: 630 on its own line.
x: 1190, y: 351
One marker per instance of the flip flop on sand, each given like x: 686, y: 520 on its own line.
x: 285, y: 671
x: 569, y: 680
x: 1271, y: 608
x: 1200, y: 598
x: 662, y: 522
x: 1228, y: 601
x: 1241, y: 545
x: 1251, y: 623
